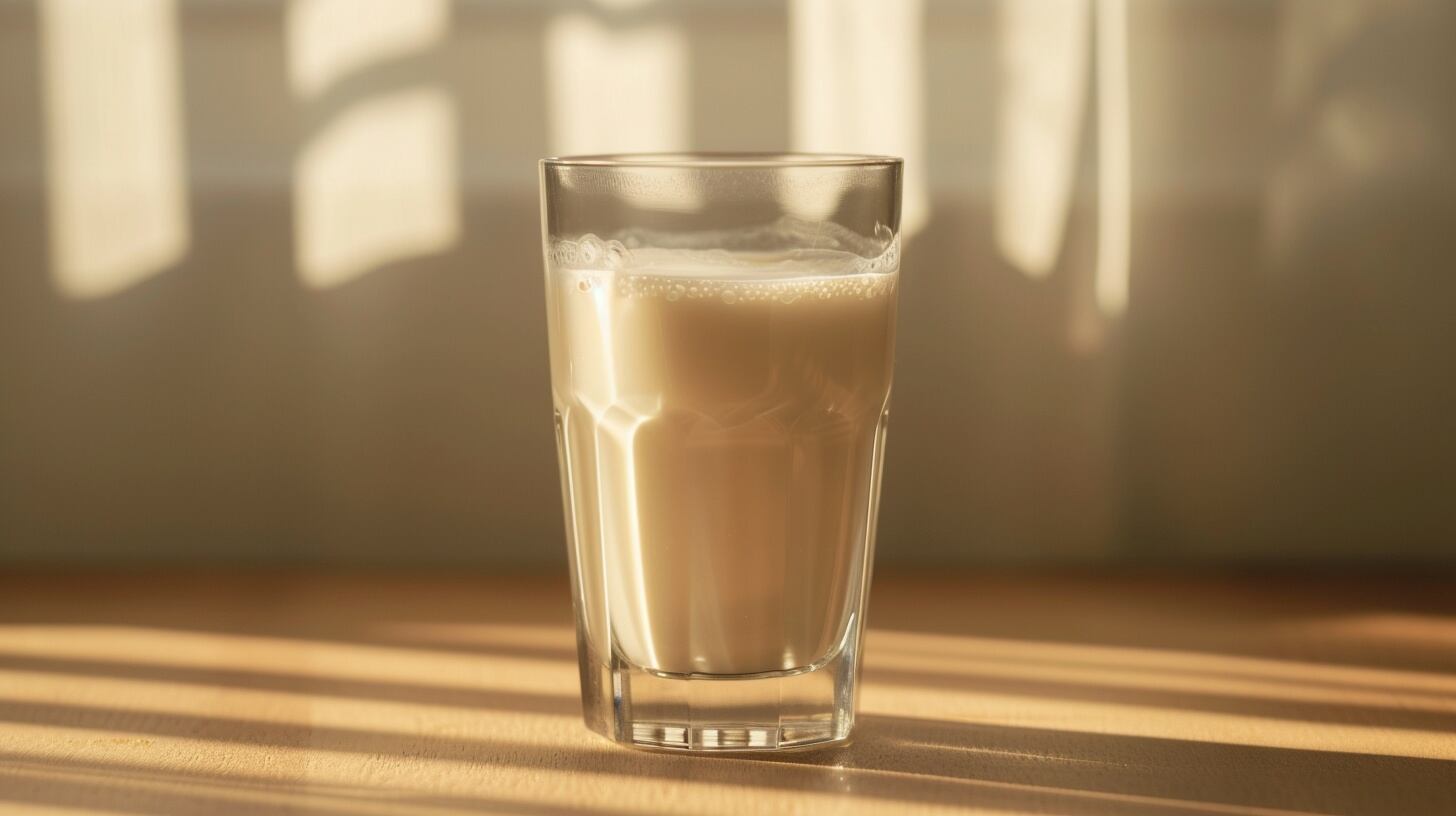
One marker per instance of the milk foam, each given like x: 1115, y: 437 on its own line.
x: 730, y: 275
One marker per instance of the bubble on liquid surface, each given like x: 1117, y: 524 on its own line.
x: 589, y: 252
x: 616, y: 254
x: 590, y: 249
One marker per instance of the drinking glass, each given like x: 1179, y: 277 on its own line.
x: 722, y: 335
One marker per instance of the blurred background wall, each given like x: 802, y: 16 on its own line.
x: 1178, y: 283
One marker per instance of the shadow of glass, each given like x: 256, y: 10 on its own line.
x: 1397, y: 714
x: 1285, y: 614
x: 1309, y: 678
x: 1094, y: 773
x: 901, y: 759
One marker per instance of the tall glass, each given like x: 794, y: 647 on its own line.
x: 722, y: 333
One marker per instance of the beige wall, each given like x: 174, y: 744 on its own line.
x: 1280, y: 385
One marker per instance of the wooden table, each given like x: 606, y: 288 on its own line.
x: 996, y: 692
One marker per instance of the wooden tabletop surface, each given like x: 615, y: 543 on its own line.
x: 984, y: 692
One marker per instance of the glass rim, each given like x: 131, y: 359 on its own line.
x: 693, y: 160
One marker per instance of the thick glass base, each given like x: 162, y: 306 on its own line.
x: 714, y: 713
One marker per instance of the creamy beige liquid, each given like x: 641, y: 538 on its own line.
x: 720, y: 420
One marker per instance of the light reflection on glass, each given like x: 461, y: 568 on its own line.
x: 1043, y: 93
x: 329, y: 39
x: 615, y: 89
x: 858, y: 86
x: 118, y: 210
x: 1114, y: 158
x: 375, y: 185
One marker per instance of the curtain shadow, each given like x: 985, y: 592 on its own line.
x: 403, y: 611
x: 900, y: 759
x: 313, y: 685
x: 120, y: 788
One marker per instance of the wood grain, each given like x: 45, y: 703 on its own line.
x: 984, y: 692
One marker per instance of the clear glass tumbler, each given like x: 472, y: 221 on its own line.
x: 722, y: 331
